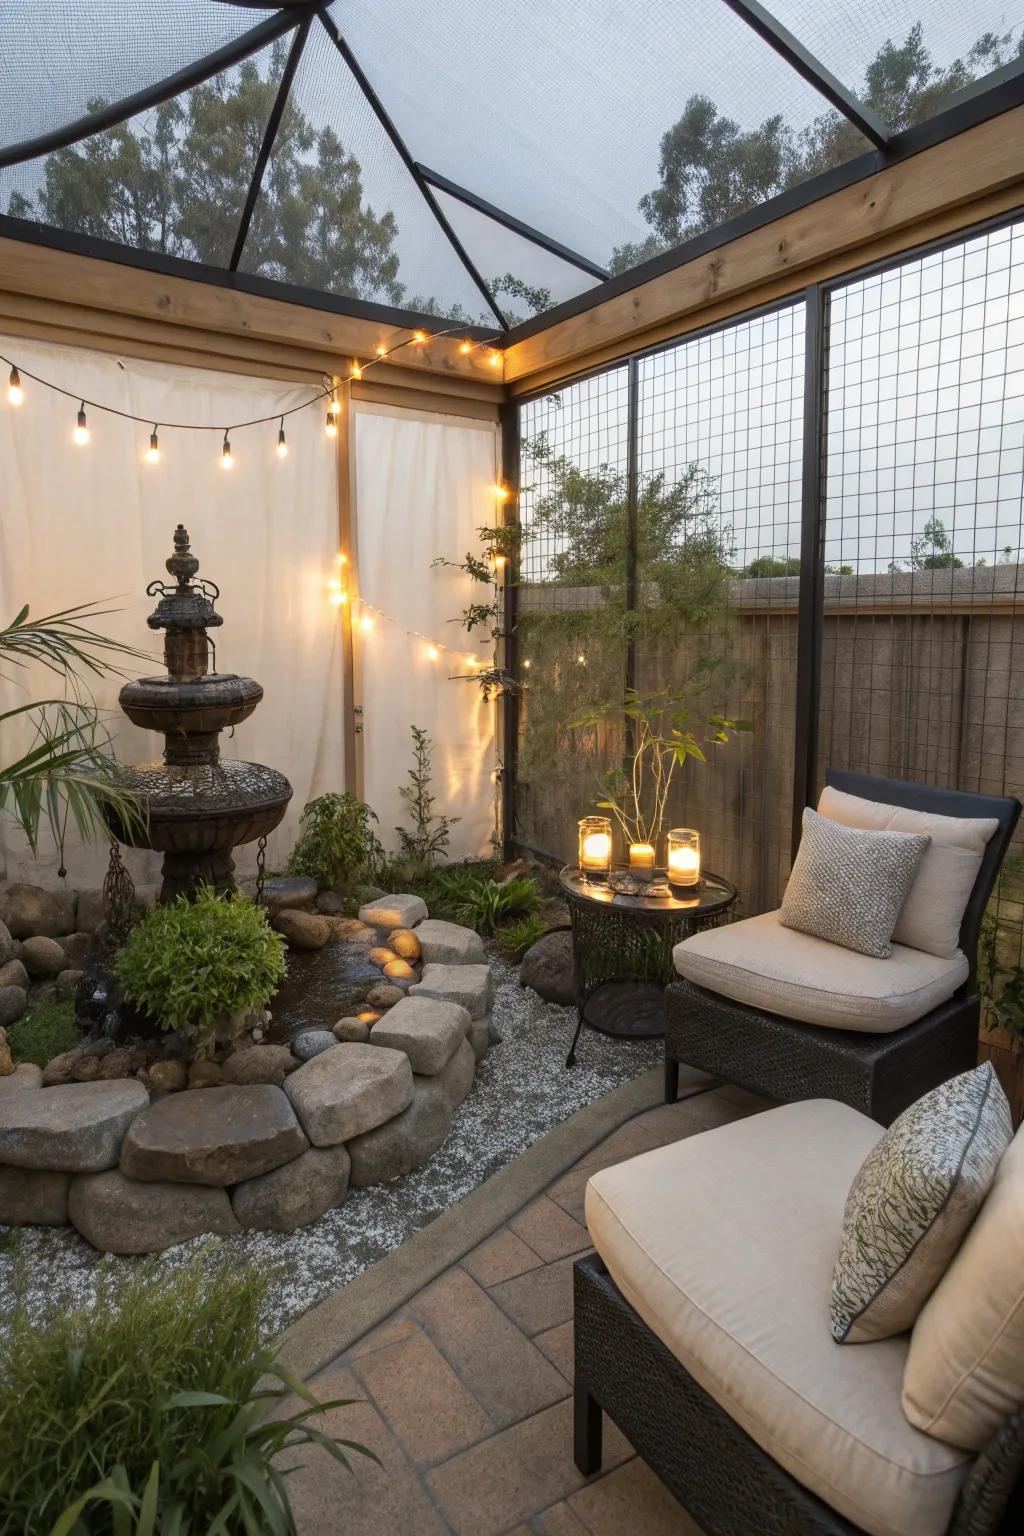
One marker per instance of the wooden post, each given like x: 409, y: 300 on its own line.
x: 348, y: 544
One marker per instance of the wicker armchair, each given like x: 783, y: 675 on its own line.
x: 878, y: 1073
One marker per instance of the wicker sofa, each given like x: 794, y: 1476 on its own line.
x: 795, y: 1017
x: 702, y: 1329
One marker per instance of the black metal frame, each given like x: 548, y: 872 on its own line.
x: 879, y: 1074
x: 725, y: 1481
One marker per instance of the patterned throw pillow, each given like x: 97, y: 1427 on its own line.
x: 913, y: 1200
x: 848, y: 885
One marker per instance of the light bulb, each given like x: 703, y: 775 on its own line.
x: 341, y: 559
x: 357, y: 372
x: 381, y: 351
x: 501, y: 492
x: 432, y: 653
x: 581, y: 659
x: 420, y: 338
x: 338, y: 598
x: 81, y: 432
x: 282, y: 445
x: 495, y: 359
x: 366, y: 622
x: 527, y: 663
x: 15, y: 393
x: 465, y: 347
x: 331, y: 425
x: 226, y: 460
x: 153, y: 451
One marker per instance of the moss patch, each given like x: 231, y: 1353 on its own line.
x: 44, y: 1032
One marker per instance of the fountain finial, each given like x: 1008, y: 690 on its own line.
x: 182, y: 564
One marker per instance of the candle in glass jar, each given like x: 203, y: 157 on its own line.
x: 597, y: 850
x: 641, y: 860
x: 683, y: 857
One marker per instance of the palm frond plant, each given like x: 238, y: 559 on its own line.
x: 68, y: 771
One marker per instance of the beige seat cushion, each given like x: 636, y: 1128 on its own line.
x: 965, y: 1369
x: 934, y: 908
x: 760, y: 963
x: 724, y: 1244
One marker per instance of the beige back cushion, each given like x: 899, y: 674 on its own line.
x: 934, y: 909
x: 965, y: 1369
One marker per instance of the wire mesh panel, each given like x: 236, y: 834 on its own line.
x: 718, y: 512
x: 571, y: 602
x: 923, y: 655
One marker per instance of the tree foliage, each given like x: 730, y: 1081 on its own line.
x: 711, y: 169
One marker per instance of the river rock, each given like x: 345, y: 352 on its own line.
x: 205, y: 1074
x: 331, y: 904
x: 6, y: 1059
x: 117, y: 1215
x: 259, y: 1064
x: 468, y: 985
x: 13, y: 1002
x: 28, y: 910
x: 311, y: 1042
x: 25, y: 1076
x: 296, y: 1194
x: 43, y: 958
x: 8, y: 949
x: 456, y: 1079
x: 549, y: 969
x: 428, y: 1031
x: 14, y: 974
x: 384, y: 996
x: 394, y: 912
x: 400, y: 970
x: 122, y: 1061
x: 61, y: 1069
x: 86, y: 1069
x: 403, y: 1143
x: 168, y: 1076
x: 352, y: 1029
x: 449, y: 943
x: 284, y: 893
x: 351, y: 928
x: 77, y: 949
x: 352, y: 1089
x: 405, y: 943
x: 33, y: 1199
x: 381, y: 955
x: 76, y: 1128
x: 213, y: 1136
x: 302, y: 930
x: 68, y: 982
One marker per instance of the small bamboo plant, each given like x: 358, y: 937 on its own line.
x: 660, y: 741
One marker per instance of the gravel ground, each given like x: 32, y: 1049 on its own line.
x: 521, y: 1090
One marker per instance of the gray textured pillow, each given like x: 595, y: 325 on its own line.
x: 909, y: 1207
x: 848, y: 885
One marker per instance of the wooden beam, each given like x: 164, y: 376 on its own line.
x: 111, y: 287
x: 947, y: 187
x: 371, y: 393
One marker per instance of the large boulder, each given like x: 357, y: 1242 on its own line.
x: 296, y: 1194
x: 43, y: 958
x: 14, y: 974
x: 25, y: 1076
x: 394, y: 912
x: 285, y: 893
x: 77, y: 948
x: 13, y: 1002
x: 456, y: 1079
x: 467, y: 985
x: 549, y: 969
x: 28, y: 910
x: 402, y: 1144
x: 32, y: 1199
x: 259, y: 1064
x: 302, y: 930
x: 449, y: 944
x: 428, y: 1031
x: 7, y: 943
x: 116, y: 1215
x: 213, y: 1136
x: 75, y: 1128
x: 344, y: 1092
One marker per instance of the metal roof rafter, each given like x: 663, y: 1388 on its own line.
x: 812, y: 70
x: 164, y: 90
x: 267, y: 147
x: 382, y: 116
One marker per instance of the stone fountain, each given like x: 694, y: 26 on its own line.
x: 199, y: 806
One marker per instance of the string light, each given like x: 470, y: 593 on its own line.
x: 282, y: 442
x: 495, y: 359
x: 381, y: 350
x: 432, y: 653
x: 341, y: 559
x: 366, y: 621
x: 465, y: 347
x: 339, y: 598
x: 527, y: 663
x: 420, y: 338
x: 15, y: 393
x: 226, y: 459
x: 581, y: 659
x: 153, y: 451
x: 331, y: 424
x: 500, y: 492
x: 357, y: 371
x: 81, y: 433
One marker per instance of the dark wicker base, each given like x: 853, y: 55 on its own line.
x: 723, y: 1479
x: 878, y: 1074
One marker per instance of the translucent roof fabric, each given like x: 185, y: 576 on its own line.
x: 478, y: 163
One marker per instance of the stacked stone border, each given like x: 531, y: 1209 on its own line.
x: 136, y: 1170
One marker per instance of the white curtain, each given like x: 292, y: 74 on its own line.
x: 96, y: 523
x: 424, y: 485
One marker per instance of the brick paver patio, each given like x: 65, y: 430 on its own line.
x: 465, y: 1392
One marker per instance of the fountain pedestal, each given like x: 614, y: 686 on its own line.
x: 200, y: 806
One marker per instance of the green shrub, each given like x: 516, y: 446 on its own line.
x: 516, y: 938
x: 336, y: 843
x: 45, y: 1032
x: 484, y: 904
x: 193, y: 964
x: 149, y: 1413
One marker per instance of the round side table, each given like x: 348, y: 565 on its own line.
x: 622, y: 950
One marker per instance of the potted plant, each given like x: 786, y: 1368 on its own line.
x: 200, y: 968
